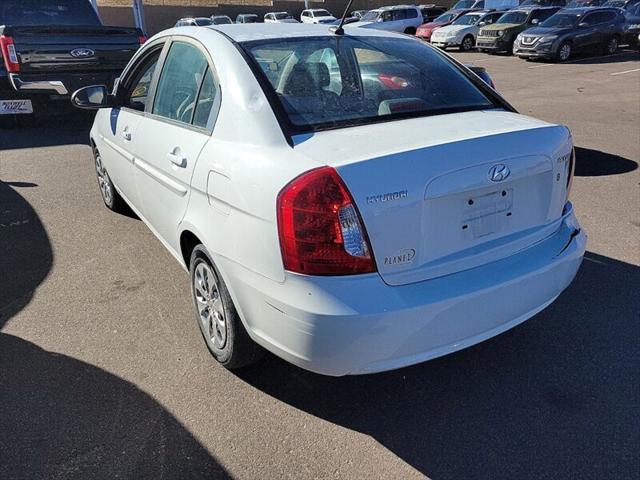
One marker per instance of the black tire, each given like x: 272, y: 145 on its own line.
x: 565, y: 50
x: 410, y: 31
x: 611, y: 45
x: 110, y: 196
x: 467, y: 43
x: 237, y: 350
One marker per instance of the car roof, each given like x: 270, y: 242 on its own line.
x: 393, y: 7
x: 260, y: 31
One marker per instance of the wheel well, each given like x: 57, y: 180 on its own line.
x: 188, y: 242
x: 410, y: 30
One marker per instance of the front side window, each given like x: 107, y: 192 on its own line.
x: 140, y: 86
x: 182, y: 74
x: 400, y: 14
x: 340, y: 81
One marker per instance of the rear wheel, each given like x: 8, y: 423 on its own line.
x: 467, y: 43
x: 611, y: 46
x: 219, y: 323
x: 110, y: 196
x: 564, y: 52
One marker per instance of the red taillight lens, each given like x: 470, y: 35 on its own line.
x: 9, y: 54
x: 320, y: 229
x: 393, y: 82
x: 142, y: 39
x: 571, y: 168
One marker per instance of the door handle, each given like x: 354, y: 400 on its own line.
x: 177, y: 158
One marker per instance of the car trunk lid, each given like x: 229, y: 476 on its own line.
x: 447, y: 193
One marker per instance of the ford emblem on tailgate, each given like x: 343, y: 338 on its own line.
x: 82, y: 53
x: 499, y: 172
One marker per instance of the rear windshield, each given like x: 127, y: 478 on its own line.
x: 47, y: 12
x: 221, y: 20
x: 203, y: 22
x: 281, y: 16
x: 328, y: 82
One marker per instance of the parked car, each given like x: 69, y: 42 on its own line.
x: 279, y: 17
x: 425, y: 30
x: 632, y: 25
x: 316, y: 15
x: 221, y: 20
x: 358, y: 13
x: 431, y: 12
x: 247, y: 18
x: 463, y: 31
x: 194, y: 22
x: 398, y: 18
x: 625, y: 5
x: 585, y: 3
x: 571, y: 30
x: 500, y: 36
x: 50, y: 48
x: 347, y: 231
x: 468, y: 4
x: 544, y: 3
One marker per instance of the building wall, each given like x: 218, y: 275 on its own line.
x: 162, y: 14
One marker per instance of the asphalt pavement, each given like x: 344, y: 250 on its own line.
x: 104, y: 374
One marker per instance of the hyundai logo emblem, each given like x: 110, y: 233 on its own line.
x: 82, y: 53
x: 499, y: 172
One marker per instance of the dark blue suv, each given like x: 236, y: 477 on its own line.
x: 571, y: 30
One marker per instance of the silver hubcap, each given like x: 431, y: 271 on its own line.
x: 613, y: 45
x: 466, y: 44
x: 209, y: 304
x: 104, y: 181
x: 565, y: 51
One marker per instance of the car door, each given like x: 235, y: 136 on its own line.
x: 172, y: 134
x: 587, y: 34
x: 135, y: 89
x: 398, y: 20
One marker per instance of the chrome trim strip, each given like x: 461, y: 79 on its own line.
x: 52, y: 85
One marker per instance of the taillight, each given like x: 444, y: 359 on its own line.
x: 570, y: 169
x: 9, y: 54
x: 393, y: 82
x: 320, y: 228
x: 142, y: 39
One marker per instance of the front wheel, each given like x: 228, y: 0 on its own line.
x: 467, y: 43
x: 219, y: 322
x: 564, y: 52
x: 110, y: 196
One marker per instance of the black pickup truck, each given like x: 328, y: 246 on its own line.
x: 50, y: 48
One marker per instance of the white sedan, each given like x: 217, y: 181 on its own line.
x: 351, y: 203
x: 463, y: 32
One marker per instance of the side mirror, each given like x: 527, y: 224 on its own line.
x: 482, y: 24
x: 583, y: 25
x: 93, y: 97
x: 535, y: 21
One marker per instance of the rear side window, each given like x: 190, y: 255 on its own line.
x: 411, y: 13
x: 328, y: 82
x: 399, y: 14
x: 186, y: 90
x: 47, y: 12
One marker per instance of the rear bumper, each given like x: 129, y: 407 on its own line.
x: 59, y: 84
x: 354, y: 325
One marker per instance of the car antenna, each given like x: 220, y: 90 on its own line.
x: 339, y: 30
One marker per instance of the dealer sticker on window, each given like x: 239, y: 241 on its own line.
x: 13, y: 107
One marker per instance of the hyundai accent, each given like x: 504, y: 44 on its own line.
x: 352, y: 203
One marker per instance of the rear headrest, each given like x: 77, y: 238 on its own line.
x: 320, y: 73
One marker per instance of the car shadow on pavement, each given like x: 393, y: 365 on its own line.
x: 556, y: 397
x: 68, y: 129
x: 594, y: 163
x: 61, y: 418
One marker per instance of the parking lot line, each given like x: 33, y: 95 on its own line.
x: 578, y: 60
x: 627, y: 71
